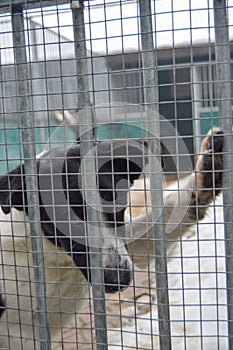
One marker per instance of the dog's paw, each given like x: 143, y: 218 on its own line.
x: 213, y: 141
x: 210, y: 162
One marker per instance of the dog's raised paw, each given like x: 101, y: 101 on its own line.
x: 215, y: 139
x: 211, y: 163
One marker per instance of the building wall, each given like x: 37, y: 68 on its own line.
x: 53, y: 87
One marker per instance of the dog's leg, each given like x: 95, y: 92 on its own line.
x: 196, y: 192
x: 185, y: 202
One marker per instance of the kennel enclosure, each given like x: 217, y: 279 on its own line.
x: 45, y: 69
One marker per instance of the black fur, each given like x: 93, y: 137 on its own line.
x: 211, y: 167
x: 59, y: 175
x: 2, y: 304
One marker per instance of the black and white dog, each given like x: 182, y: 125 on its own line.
x: 63, y: 219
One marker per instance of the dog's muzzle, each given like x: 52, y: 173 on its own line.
x: 118, y: 277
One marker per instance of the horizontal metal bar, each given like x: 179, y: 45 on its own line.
x: 5, y: 5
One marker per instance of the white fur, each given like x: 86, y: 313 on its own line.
x: 65, y: 284
x: 139, y: 221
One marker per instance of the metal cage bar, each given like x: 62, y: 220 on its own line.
x: 89, y: 172
x: 150, y: 81
x: 28, y: 141
x: 225, y: 112
x: 6, y: 4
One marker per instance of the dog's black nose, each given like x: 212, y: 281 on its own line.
x: 118, y: 278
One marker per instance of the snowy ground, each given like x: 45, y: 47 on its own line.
x: 197, y: 295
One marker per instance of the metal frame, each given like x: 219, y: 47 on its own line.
x: 5, y: 5
x: 26, y: 124
x: 89, y: 179
x: 150, y: 82
x: 222, y: 53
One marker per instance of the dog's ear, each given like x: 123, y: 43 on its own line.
x: 13, y: 190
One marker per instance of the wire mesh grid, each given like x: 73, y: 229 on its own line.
x: 116, y: 174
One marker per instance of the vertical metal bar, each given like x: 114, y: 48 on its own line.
x: 222, y: 52
x: 89, y: 176
x: 28, y: 140
x: 153, y: 120
x: 196, y: 108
